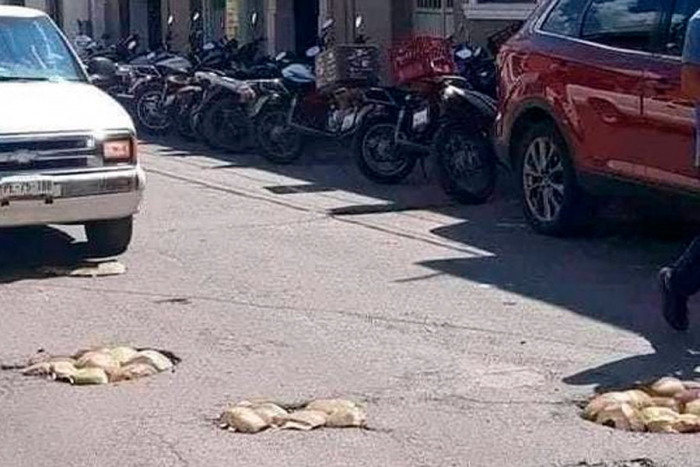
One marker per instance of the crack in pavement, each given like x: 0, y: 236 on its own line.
x: 368, y: 317
x: 171, y: 448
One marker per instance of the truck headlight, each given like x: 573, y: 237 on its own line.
x: 119, y: 150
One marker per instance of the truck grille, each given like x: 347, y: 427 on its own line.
x: 46, y: 153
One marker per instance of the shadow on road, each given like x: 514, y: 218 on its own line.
x: 608, y: 276
x: 24, y: 251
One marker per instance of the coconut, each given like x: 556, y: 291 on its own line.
x: 620, y: 416
x: 63, y: 370
x: 152, y: 357
x: 667, y: 387
x: 687, y: 423
x: 123, y: 354
x: 636, y: 399
x: 89, y: 376
x: 133, y: 371
x: 667, y: 402
x: 693, y: 407
x: 38, y: 369
x: 329, y: 406
x: 305, y: 420
x: 659, y: 419
x: 273, y: 414
x: 347, y: 418
x: 101, y: 360
x: 689, y: 395
x: 243, y: 420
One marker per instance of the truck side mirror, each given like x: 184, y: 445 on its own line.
x: 690, y: 70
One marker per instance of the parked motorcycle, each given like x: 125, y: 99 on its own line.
x: 295, y: 106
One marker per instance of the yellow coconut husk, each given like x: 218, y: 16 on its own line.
x: 305, y: 420
x: 687, y: 423
x: 635, y: 398
x: 659, y: 419
x: 687, y: 396
x: 273, y: 414
x: 123, y: 354
x: 242, y: 420
x: 667, y: 402
x: 133, y: 371
x: 38, y: 369
x: 347, y: 418
x: 667, y: 387
x: 329, y: 406
x: 691, y: 384
x: 152, y: 357
x: 63, y: 370
x: 620, y: 416
x: 692, y: 407
x: 89, y: 376
x: 79, y: 354
x: 101, y: 360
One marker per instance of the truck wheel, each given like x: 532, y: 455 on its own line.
x: 553, y: 202
x: 109, y: 238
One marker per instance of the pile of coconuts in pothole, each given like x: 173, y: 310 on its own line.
x: 100, y: 365
x: 667, y: 405
x: 252, y: 417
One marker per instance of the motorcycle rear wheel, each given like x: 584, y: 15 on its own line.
x: 280, y: 144
x: 225, y: 125
x: 378, y: 156
x: 466, y: 163
x: 150, y: 116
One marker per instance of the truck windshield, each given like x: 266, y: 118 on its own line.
x: 32, y: 49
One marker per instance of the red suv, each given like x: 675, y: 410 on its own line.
x: 591, y: 94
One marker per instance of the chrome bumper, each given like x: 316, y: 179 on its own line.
x: 85, y: 196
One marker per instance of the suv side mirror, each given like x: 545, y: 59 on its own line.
x: 690, y: 70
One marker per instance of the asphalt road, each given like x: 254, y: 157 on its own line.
x: 469, y: 337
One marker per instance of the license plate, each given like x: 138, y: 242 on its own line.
x: 27, y: 188
x: 420, y: 118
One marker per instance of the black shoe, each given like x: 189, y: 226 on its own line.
x: 675, y: 307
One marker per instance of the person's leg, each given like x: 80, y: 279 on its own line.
x: 679, y: 282
x: 685, y: 278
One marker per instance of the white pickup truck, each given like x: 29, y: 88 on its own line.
x: 68, y: 152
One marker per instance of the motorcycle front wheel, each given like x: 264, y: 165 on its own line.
x: 151, y: 115
x: 225, y: 125
x: 378, y: 156
x: 466, y: 163
x: 280, y: 144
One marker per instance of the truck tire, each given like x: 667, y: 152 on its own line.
x: 109, y: 238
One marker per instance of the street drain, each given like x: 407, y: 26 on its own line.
x: 88, y: 269
x: 668, y: 405
x: 100, y: 365
x: 256, y: 416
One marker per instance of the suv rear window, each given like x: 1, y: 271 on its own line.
x: 626, y: 24
x: 565, y: 18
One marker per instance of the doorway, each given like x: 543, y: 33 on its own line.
x: 305, y: 24
x: 55, y: 10
x: 124, y: 18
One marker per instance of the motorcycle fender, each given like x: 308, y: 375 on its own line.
x: 456, y: 102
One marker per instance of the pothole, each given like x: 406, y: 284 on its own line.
x: 99, y: 365
x: 259, y: 415
x: 668, y: 405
